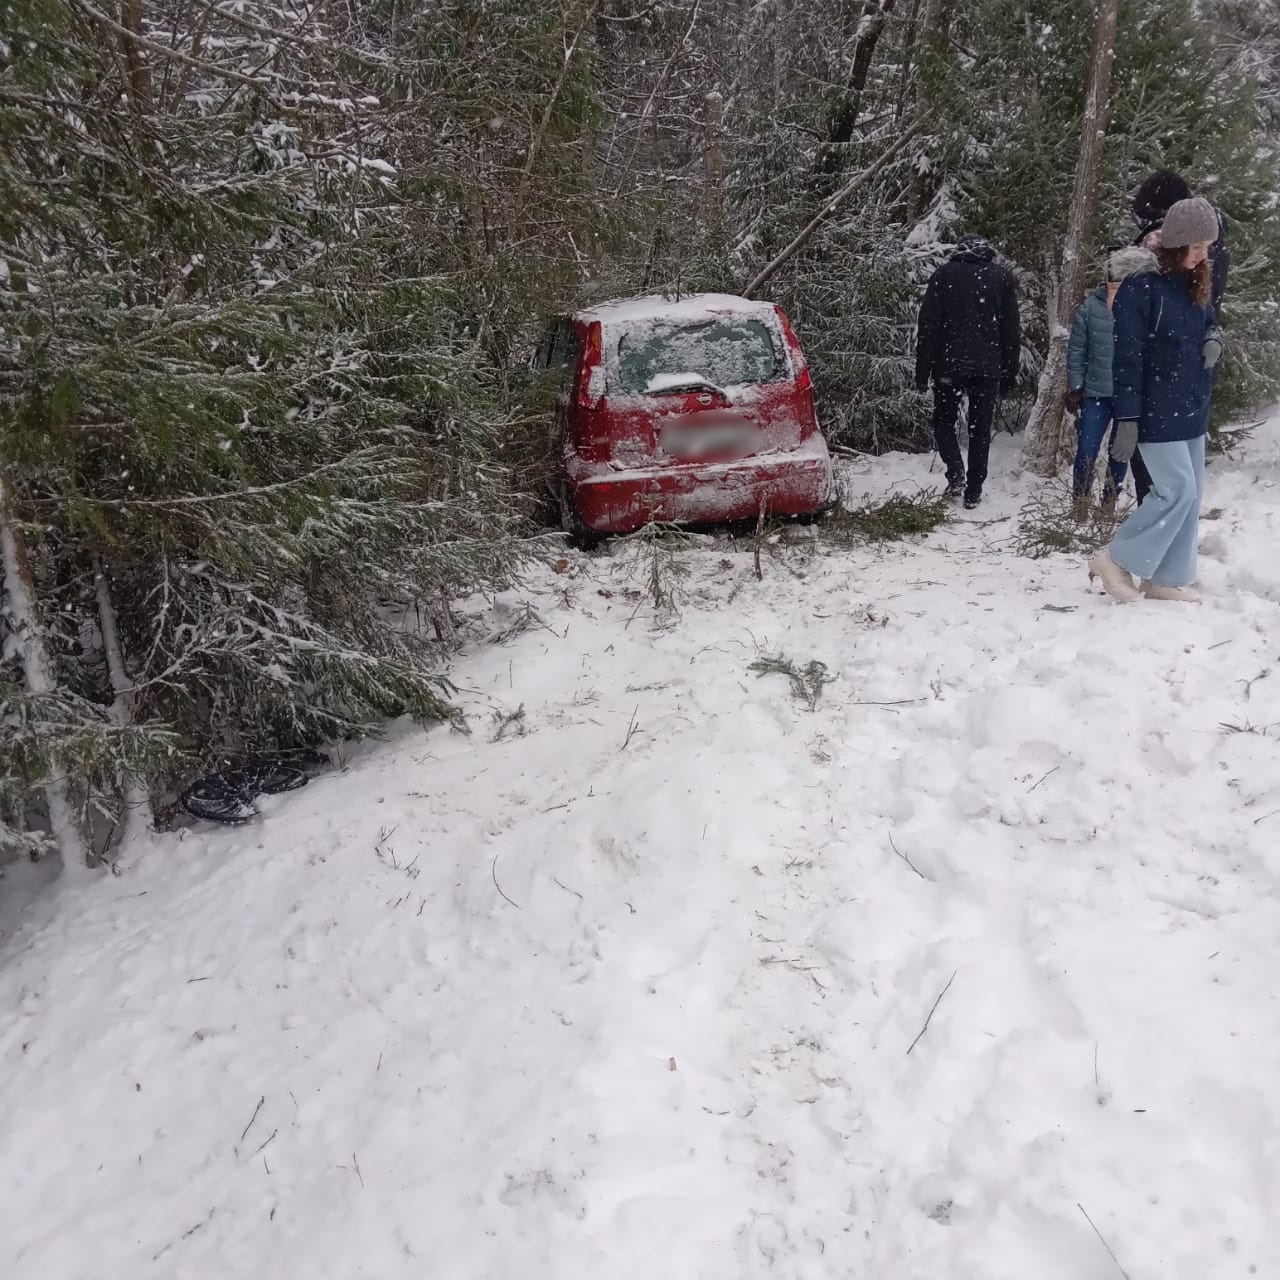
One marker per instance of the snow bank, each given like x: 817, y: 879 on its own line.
x: 641, y: 991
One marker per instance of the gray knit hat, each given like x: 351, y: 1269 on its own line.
x: 1193, y: 221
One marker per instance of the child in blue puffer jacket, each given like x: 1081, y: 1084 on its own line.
x: 1089, y: 385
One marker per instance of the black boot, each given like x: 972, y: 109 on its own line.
x: 972, y: 498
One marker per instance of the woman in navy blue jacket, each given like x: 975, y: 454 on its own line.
x: 1162, y: 371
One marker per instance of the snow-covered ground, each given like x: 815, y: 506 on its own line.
x: 639, y: 991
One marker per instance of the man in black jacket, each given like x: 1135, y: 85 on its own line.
x: 1151, y: 202
x: 967, y: 342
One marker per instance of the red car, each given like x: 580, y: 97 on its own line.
x: 683, y: 412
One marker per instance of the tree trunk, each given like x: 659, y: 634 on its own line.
x: 1043, y: 442
x: 932, y: 39
x: 713, y: 165
x: 139, y: 75
x: 37, y: 671
x: 908, y: 49
x: 137, y: 804
x: 845, y: 117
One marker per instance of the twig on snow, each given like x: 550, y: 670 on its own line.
x: 632, y: 729
x: 268, y: 1141
x: 932, y: 1011
x: 566, y: 888
x: 493, y: 870
x: 909, y: 863
x: 759, y: 538
x: 185, y: 1235
x: 253, y: 1117
x: 356, y: 1163
x: 1101, y: 1237
x: 1046, y: 777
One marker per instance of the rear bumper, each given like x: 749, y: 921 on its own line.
x: 794, y: 483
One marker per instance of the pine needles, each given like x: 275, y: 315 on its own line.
x: 652, y: 555
x: 1051, y: 523
x: 807, y: 682
x: 903, y: 515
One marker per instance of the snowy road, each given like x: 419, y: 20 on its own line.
x: 632, y: 992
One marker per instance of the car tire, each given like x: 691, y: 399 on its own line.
x: 580, y: 535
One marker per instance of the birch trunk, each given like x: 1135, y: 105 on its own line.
x: 137, y: 804
x: 37, y: 672
x: 1043, y: 444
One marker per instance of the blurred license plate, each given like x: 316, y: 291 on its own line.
x: 715, y: 440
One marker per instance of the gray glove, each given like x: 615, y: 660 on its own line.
x: 1213, y: 347
x: 1124, y: 440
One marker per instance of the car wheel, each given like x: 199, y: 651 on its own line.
x: 580, y: 536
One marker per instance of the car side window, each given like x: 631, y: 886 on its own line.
x: 564, y: 347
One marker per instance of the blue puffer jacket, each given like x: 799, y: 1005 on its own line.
x: 1089, y: 348
x: 1158, y: 369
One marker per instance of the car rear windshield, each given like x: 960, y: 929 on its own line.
x: 722, y: 352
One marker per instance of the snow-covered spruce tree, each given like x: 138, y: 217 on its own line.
x: 819, y: 94
x: 1012, y: 92
x: 240, y: 418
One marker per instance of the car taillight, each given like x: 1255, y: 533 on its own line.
x: 803, y: 383
x: 591, y: 375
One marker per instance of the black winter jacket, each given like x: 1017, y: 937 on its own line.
x: 969, y: 326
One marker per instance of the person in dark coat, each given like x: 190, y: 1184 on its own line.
x: 1151, y: 203
x: 1162, y: 372
x: 967, y: 343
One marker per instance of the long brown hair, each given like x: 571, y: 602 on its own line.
x: 1201, y: 277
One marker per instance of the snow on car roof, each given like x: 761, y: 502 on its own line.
x: 655, y: 307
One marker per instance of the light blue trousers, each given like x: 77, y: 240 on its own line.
x: 1158, y: 541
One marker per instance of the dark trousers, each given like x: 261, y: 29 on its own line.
x: 983, y: 394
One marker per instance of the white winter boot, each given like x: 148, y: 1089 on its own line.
x: 1155, y: 591
x: 1118, y: 584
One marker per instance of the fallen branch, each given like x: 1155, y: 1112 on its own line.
x: 253, y: 1117
x: 932, y: 1011
x: 858, y: 180
x: 759, y: 538
x: 1046, y: 777
x: 632, y: 729
x: 493, y: 870
x: 566, y: 888
x: 186, y: 1235
x: 914, y: 868
x: 1101, y: 1237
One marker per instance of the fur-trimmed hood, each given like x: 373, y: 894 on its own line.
x: 1131, y: 261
